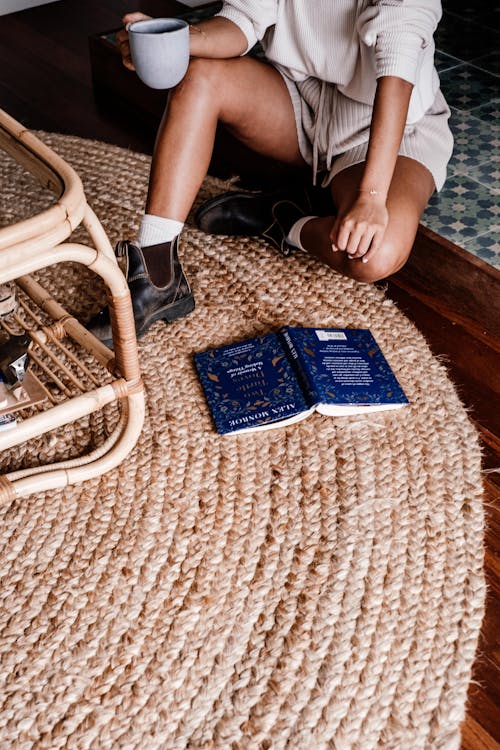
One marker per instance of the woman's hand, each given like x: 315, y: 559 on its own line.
x: 122, y: 37
x: 214, y: 38
x: 360, y: 228
x: 360, y: 231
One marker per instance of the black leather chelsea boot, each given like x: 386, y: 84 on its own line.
x: 150, y: 303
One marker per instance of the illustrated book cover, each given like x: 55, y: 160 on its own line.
x: 282, y: 377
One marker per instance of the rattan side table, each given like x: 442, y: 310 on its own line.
x: 56, y: 336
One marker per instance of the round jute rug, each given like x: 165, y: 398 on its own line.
x: 309, y: 587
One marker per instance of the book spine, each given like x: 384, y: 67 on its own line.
x: 310, y: 393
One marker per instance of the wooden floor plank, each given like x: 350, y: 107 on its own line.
x: 475, y: 737
x: 473, y: 362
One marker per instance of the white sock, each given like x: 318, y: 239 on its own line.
x: 293, y: 237
x: 155, y: 229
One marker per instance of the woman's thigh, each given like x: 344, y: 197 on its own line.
x: 253, y: 102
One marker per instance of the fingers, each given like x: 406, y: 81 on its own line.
x: 133, y: 17
x: 355, y: 238
x: 359, y: 238
x: 375, y: 245
x: 122, y: 37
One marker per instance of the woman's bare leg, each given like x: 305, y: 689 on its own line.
x: 251, y: 99
x: 411, y: 187
x: 248, y: 96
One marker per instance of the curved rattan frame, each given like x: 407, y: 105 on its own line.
x: 41, y: 241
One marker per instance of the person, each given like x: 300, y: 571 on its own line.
x: 348, y: 88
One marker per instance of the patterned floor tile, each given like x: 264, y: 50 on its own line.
x: 465, y: 39
x: 486, y: 247
x: 462, y: 210
x: 467, y: 87
x: 442, y: 61
x: 467, y: 210
x: 489, y: 112
x: 488, y: 173
x: 490, y: 62
x: 484, y: 13
x: 474, y: 141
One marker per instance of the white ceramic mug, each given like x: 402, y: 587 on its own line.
x: 160, y: 50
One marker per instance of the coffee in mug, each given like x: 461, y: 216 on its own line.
x: 159, y: 48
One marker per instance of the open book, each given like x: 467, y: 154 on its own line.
x: 282, y: 377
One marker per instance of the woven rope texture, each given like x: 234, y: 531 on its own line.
x: 310, y: 587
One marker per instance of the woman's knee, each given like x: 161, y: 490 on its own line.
x: 203, y: 79
x: 390, y: 258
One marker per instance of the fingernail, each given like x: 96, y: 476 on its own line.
x: 365, y: 260
x: 334, y: 248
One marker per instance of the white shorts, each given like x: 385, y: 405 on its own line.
x: 344, y: 129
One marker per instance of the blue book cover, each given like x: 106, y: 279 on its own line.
x: 282, y: 377
x: 250, y: 384
x: 343, y: 370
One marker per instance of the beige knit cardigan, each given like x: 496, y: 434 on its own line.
x: 347, y: 42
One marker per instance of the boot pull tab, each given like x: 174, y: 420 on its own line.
x: 121, y: 249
